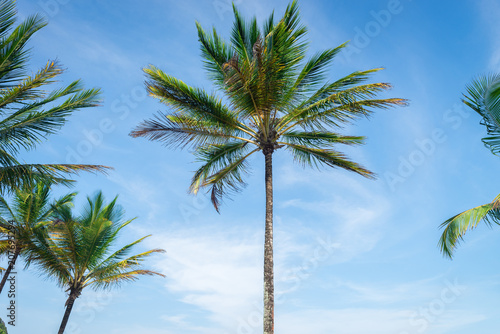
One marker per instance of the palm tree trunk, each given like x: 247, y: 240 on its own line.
x: 268, y: 248
x: 9, y: 268
x: 69, y: 306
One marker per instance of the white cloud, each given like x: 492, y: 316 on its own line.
x: 217, y: 271
x: 358, y: 213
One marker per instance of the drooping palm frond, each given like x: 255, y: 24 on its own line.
x: 223, y: 171
x: 456, y: 227
x: 320, y: 139
x: 483, y: 96
x: 317, y: 157
x: 15, y: 176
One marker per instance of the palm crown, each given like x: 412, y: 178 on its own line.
x: 78, y: 251
x: 276, y: 99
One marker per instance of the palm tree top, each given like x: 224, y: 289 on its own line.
x: 276, y: 98
x: 78, y: 251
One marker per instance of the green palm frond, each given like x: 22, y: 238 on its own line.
x: 456, y: 227
x: 189, y: 101
x: 320, y: 139
x: 316, y: 157
x: 112, y: 270
x: 117, y: 259
x: 122, y: 277
x: 215, y: 157
x: 313, y: 71
x: 216, y: 53
x: 228, y: 179
x: 15, y: 176
x: 483, y: 96
x: 341, y: 107
x: 181, y: 131
x: 7, y: 16
x: 13, y: 54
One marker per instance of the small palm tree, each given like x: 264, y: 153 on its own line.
x: 483, y: 96
x: 29, y: 111
x: 276, y: 99
x: 78, y: 251
x: 30, y: 211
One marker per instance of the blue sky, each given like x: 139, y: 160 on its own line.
x: 352, y: 255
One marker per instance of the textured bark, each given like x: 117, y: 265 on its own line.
x: 9, y: 268
x: 268, y: 248
x: 69, y: 305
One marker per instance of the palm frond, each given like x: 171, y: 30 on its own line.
x: 14, y: 176
x: 13, y: 55
x: 189, y: 101
x: 7, y: 16
x: 483, y: 96
x: 216, y: 53
x: 341, y: 107
x: 316, y: 157
x: 117, y: 279
x: 227, y: 180
x: 181, y: 131
x: 320, y: 139
x: 456, y: 227
x: 313, y: 71
x: 214, y: 158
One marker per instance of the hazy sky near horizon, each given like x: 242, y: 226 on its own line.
x: 352, y: 255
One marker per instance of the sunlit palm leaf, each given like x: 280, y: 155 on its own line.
x: 456, y: 227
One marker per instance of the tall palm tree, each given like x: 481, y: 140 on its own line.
x: 78, y: 252
x: 483, y: 96
x: 30, y: 211
x: 276, y: 99
x: 29, y: 112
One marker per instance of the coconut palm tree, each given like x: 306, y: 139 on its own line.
x: 30, y: 210
x: 275, y: 100
x: 483, y: 96
x: 78, y: 252
x: 29, y: 111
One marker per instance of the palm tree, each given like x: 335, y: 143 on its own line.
x: 483, y: 96
x: 30, y: 211
x: 29, y: 111
x: 276, y: 100
x: 78, y: 252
